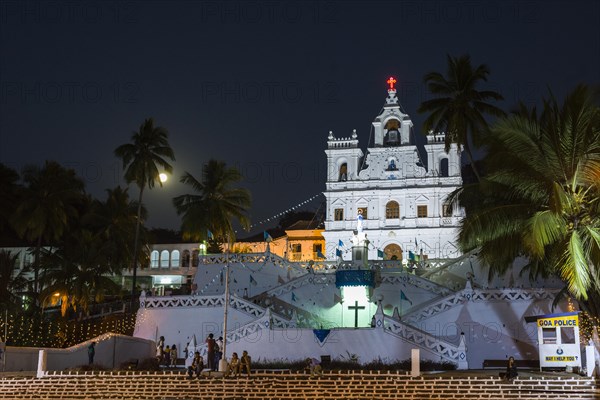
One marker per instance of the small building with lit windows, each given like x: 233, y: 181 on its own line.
x: 401, y: 197
x: 172, y: 268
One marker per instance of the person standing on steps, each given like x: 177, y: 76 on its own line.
x: 91, y: 352
x: 160, y: 350
x: 167, y: 356
x: 174, y: 356
x: 211, y: 345
x: 511, y: 369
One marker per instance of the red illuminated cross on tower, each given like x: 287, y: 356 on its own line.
x: 391, y: 82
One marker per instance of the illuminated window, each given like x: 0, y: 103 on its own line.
x: 154, y: 259
x: 338, y: 214
x: 195, y: 258
x: 317, y: 247
x: 392, y: 210
x: 421, y: 211
x: 297, y: 248
x: 164, y: 259
x: 363, y: 212
x: 175, y: 259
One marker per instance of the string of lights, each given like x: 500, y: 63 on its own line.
x: 37, y: 331
x: 217, y: 276
x: 282, y: 213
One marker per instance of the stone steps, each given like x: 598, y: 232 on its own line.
x: 355, y: 385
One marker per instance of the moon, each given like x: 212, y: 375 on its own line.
x: 163, y: 177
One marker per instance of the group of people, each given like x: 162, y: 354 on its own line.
x: 239, y: 365
x: 235, y: 367
x: 166, y: 355
x: 213, y: 350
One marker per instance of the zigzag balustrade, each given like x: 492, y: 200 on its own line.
x: 442, y: 274
x: 247, y: 258
x: 458, y: 261
x: 267, y: 322
x: 182, y: 301
x: 205, y: 301
x: 486, y: 295
x: 445, y: 350
x: 304, y: 319
x: 307, y: 279
x: 415, y: 280
x: 439, y: 306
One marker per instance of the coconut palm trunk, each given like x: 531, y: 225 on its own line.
x: 136, y: 247
x: 149, y: 149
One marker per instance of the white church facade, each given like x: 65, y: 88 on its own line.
x: 403, y: 205
x: 359, y: 307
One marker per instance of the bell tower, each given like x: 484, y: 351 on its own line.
x: 343, y: 158
x: 392, y: 126
x: 389, y: 204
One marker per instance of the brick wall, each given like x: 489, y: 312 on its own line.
x: 285, y: 385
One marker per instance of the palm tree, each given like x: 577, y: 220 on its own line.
x: 78, y: 272
x: 459, y: 108
x: 541, y: 195
x: 9, y: 196
x: 11, y: 279
x: 216, y: 203
x: 114, y: 221
x: 149, y: 149
x: 50, y: 202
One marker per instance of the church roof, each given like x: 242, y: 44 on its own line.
x: 305, y: 225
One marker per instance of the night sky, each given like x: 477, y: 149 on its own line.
x: 257, y: 84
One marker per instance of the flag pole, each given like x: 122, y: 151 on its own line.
x: 223, y: 361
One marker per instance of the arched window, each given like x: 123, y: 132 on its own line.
x: 195, y: 258
x: 392, y: 210
x: 444, y: 167
x: 175, y: 259
x: 343, y: 176
x: 154, y: 259
x: 447, y: 210
x: 164, y: 259
x: 392, y: 135
x: 186, y: 259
